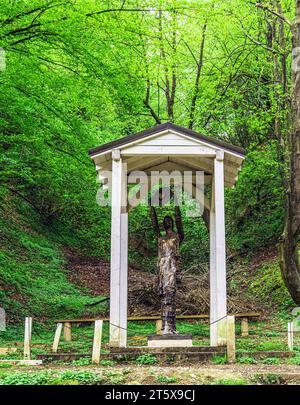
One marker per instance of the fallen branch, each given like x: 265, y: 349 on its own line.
x: 97, y: 302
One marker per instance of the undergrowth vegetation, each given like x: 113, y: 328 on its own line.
x: 267, y: 286
x: 33, y: 278
x: 74, y: 94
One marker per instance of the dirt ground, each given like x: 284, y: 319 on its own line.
x: 204, y: 374
x: 192, y: 297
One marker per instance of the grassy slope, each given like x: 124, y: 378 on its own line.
x: 33, y: 279
x: 265, y: 283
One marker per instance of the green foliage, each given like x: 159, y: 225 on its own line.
x: 295, y: 361
x: 11, y: 355
x: 271, y: 360
x: 246, y: 360
x: 115, y: 377
x: 146, y: 358
x: 41, y: 378
x: 107, y: 363
x: 255, y: 206
x: 272, y: 333
x: 230, y: 381
x: 83, y: 377
x: 32, y: 268
x: 80, y: 74
x: 259, y: 342
x: 67, y: 377
x: 219, y: 360
x: 268, y: 379
x: 166, y: 379
x: 268, y: 286
x: 141, y: 328
x: 81, y: 362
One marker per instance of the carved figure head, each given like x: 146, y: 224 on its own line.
x: 168, y: 223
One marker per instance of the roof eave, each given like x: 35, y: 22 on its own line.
x: 101, y: 149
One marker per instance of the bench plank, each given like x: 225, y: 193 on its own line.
x: 157, y: 317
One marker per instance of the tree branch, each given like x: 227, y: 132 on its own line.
x: 148, y: 106
x: 112, y: 10
x: 280, y: 16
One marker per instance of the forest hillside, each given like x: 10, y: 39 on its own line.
x: 74, y: 75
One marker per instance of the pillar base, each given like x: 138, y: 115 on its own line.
x: 173, y: 340
x: 218, y: 333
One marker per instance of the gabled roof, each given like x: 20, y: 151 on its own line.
x: 163, y: 127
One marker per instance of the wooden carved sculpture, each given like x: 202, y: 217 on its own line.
x: 168, y: 266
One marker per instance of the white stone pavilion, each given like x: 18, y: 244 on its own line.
x: 168, y: 147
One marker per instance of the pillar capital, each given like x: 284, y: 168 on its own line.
x: 115, y: 154
x: 220, y: 155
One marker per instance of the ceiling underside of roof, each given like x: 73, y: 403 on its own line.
x: 180, y: 164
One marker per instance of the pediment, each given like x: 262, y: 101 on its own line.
x: 168, y: 146
x: 168, y: 142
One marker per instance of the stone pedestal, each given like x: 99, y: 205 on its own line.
x: 178, y: 340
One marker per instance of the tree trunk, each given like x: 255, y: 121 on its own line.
x: 198, y: 75
x: 289, y: 259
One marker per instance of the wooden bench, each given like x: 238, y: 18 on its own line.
x: 67, y: 323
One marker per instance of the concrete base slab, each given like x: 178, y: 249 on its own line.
x: 177, y: 340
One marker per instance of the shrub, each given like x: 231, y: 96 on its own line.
x: 268, y: 379
x: 229, y: 381
x: 255, y: 206
x: 295, y: 361
x: 271, y: 360
x: 246, y: 360
x: 219, y: 359
x: 40, y: 378
x: 83, y: 377
x: 81, y: 362
x: 146, y: 358
x: 268, y: 286
x: 107, y: 363
x: 165, y: 379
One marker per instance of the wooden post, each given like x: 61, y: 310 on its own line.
x: 27, y: 337
x: 68, y: 331
x: 231, y: 339
x: 158, y: 326
x: 291, y: 336
x: 57, y: 335
x: 119, y: 253
x: 244, y: 327
x: 218, y: 305
x: 30, y: 328
x: 97, y: 342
